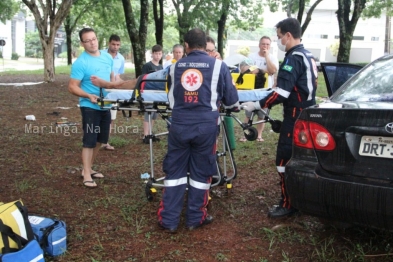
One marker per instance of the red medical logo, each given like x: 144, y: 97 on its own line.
x: 192, y: 79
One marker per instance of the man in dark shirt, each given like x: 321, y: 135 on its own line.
x: 150, y: 67
x: 296, y: 87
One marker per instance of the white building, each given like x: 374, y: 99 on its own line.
x: 13, y: 33
x: 323, y: 31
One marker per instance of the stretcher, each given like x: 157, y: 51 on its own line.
x: 153, y: 101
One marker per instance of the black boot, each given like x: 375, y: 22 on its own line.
x: 278, y: 211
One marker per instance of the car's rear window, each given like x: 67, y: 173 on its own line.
x: 373, y: 83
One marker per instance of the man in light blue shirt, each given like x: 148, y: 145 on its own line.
x: 118, y: 59
x: 95, y: 121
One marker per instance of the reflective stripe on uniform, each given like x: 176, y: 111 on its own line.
x: 199, y: 185
x: 170, y: 93
x: 175, y: 182
x: 281, y: 169
x: 310, y: 85
x: 215, y: 78
x: 282, y: 92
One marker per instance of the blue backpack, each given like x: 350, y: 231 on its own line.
x: 50, y: 233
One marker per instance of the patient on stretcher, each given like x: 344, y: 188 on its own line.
x: 130, y: 84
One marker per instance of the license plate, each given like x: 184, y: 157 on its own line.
x: 376, y: 146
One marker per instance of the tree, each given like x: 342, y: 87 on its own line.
x: 187, y: 11
x: 295, y: 6
x: 241, y: 14
x: 374, y: 9
x: 33, y: 44
x: 47, y: 24
x: 8, y: 9
x: 137, y: 32
x: 158, y: 12
x: 347, y: 25
x: 79, y: 9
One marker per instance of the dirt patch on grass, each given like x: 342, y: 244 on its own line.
x: 41, y: 165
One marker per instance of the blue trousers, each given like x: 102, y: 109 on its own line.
x: 190, y: 148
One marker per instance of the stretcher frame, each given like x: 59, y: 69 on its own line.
x: 226, y: 171
x: 228, y: 164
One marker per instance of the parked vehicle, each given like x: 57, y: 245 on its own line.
x: 342, y: 160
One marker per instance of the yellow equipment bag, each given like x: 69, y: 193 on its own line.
x: 248, y: 82
x: 14, y: 226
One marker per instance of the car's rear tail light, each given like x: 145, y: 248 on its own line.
x: 312, y: 135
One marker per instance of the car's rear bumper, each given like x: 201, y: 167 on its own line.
x: 353, y: 202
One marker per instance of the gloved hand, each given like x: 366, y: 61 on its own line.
x: 251, y: 106
x: 232, y: 106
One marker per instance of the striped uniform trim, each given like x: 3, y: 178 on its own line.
x: 309, y: 76
x: 199, y: 185
x: 281, y: 169
x: 282, y: 92
x: 175, y: 182
x: 215, y: 78
x: 170, y: 93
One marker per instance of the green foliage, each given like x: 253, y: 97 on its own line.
x: 62, y: 55
x: 33, y: 44
x: 125, y: 48
x: 8, y: 8
x: 290, y: 6
x: 243, y: 50
x: 374, y: 8
x: 334, y: 48
x: 14, y: 56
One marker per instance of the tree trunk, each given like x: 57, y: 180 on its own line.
x: 387, y: 33
x: 347, y: 26
x: 49, y: 70
x: 68, y: 31
x: 46, y: 18
x: 301, y: 11
x: 159, y: 20
x: 137, y: 37
x: 344, y: 50
x: 221, y: 33
x: 184, y: 27
x: 308, y: 17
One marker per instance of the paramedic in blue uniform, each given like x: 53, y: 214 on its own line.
x: 197, y: 85
x: 296, y: 87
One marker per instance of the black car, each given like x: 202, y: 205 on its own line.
x: 342, y: 161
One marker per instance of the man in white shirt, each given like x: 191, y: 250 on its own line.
x: 264, y: 60
x: 118, y: 69
x: 269, y: 64
x: 178, y: 53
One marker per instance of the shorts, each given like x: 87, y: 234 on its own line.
x: 260, y: 114
x: 153, y: 116
x: 96, y: 126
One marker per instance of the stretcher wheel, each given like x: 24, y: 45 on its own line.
x: 276, y: 126
x: 250, y: 133
x: 150, y: 192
